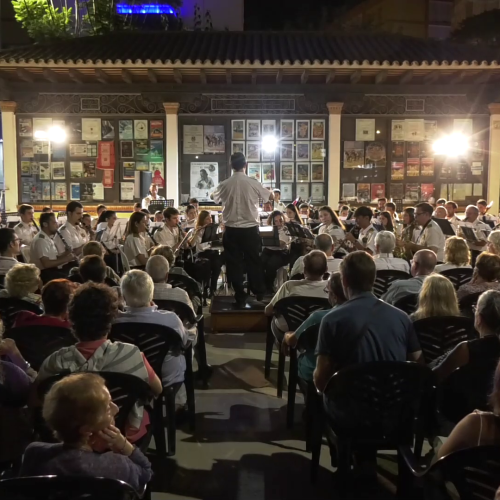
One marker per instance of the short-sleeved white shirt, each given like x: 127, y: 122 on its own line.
x: 432, y: 236
x: 385, y: 261
x: 25, y: 232
x: 42, y: 246
x: 167, y: 236
x: 367, y: 238
x: 336, y: 232
x: 72, y: 235
x: 134, y: 246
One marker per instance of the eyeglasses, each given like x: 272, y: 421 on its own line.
x: 419, y: 213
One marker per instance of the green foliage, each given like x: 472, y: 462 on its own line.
x: 41, y: 20
x: 483, y: 28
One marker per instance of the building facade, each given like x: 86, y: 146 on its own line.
x: 354, y: 117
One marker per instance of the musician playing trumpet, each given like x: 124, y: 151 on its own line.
x: 367, y: 233
x: 26, y: 229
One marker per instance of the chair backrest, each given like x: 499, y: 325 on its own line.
x: 37, y: 342
x: 188, y: 284
x: 467, y: 303
x: 126, y: 390
x: 408, y: 303
x: 380, y: 400
x: 75, y: 278
x: 66, y: 487
x: 467, y: 389
x: 185, y: 313
x: 154, y: 341
x: 474, y: 472
x: 459, y: 276
x: 298, y: 276
x: 439, y: 335
x: 309, y: 338
x: 384, y: 279
x: 125, y: 262
x: 295, y: 310
x: 9, y: 307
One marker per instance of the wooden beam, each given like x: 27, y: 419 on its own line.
x: 25, y: 75
x: 279, y: 76
x: 431, y: 77
x: 458, y: 77
x: 254, y: 77
x: 356, y: 76
x: 330, y: 77
x: 127, y: 76
x: 203, y: 77
x: 304, y: 77
x: 381, y: 76
x: 101, y: 76
x: 177, y: 76
x: 407, y: 77
x: 75, y: 75
x: 228, y: 77
x: 50, y: 75
x: 152, y: 76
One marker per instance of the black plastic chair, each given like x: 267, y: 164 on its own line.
x: 155, y: 341
x: 295, y: 310
x: 9, y: 307
x: 467, y: 304
x: 439, y: 335
x: 298, y: 276
x: 187, y: 315
x: 408, y: 303
x: 189, y: 285
x: 459, y: 276
x: 67, y: 488
x: 384, y: 279
x: 474, y: 472
x: 77, y: 278
x: 37, y: 342
x: 466, y: 389
x: 379, y: 406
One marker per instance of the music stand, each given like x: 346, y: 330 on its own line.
x: 469, y: 234
x: 210, y: 234
x: 156, y: 205
x: 445, y: 226
x: 295, y: 229
x: 270, y: 236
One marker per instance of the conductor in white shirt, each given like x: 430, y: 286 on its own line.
x: 239, y: 196
x: 385, y: 242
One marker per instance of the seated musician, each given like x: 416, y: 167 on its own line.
x: 278, y: 204
x: 298, y: 246
x: 86, y: 228
x: 273, y: 258
x: 292, y: 214
x: 195, y: 203
x: 137, y: 207
x: 205, y: 251
x: 10, y: 248
x: 472, y: 219
x: 344, y: 211
x: 47, y: 210
x: 385, y: 243
x: 440, y: 213
x: 26, y: 229
x: 323, y: 242
x: 484, y: 216
x: 386, y: 221
x: 69, y: 233
x: 451, y: 214
x: 331, y: 224
x: 109, y: 240
x: 381, y: 204
x: 100, y: 209
x: 367, y: 233
x: 152, y: 196
x: 135, y: 243
x: 158, y: 216
x: 170, y: 234
x: 191, y: 214
x: 267, y: 207
x: 391, y: 208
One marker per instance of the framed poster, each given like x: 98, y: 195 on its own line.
x: 204, y: 179
x: 354, y: 154
x: 126, y: 129
x: 317, y: 192
x: 129, y: 170
x: 413, y: 167
x: 287, y: 129
x: 303, y: 130
x: 397, y: 171
x: 375, y: 155
x: 287, y: 172
x: 349, y: 191
x: 255, y: 171
x: 156, y: 149
x: 91, y: 129
x: 25, y: 127
x: 303, y: 172
x: 303, y: 153
x: 192, y: 139
x: 107, y: 129
x: 365, y: 129
x: 317, y: 172
x: 398, y: 151
x: 363, y: 193
x: 141, y: 147
x: 286, y: 151
x: 238, y: 147
x: 397, y: 130
x: 268, y: 174
x: 317, y: 149
x: 268, y: 155
x: 414, y: 130
x: 140, y: 129
x: 427, y: 167
x: 303, y: 191
x: 238, y: 130
x: 378, y: 191
x: 286, y: 192
x: 253, y: 151
x: 156, y: 129
x: 214, y: 139
x: 268, y: 128
x: 126, y: 149
x: 318, y: 130
x: 253, y: 130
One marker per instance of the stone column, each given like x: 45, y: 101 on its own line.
x: 334, y: 148
x: 493, y: 191
x: 10, y: 167
x: 172, y: 179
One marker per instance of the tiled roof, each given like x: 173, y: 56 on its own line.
x: 275, y: 48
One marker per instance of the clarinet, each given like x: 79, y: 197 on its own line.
x: 151, y: 236
x: 66, y: 246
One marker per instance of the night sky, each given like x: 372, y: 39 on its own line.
x: 291, y: 14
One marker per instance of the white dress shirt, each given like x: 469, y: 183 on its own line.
x: 240, y: 197
x: 167, y: 236
x: 147, y: 201
x: 279, y: 205
x: 134, y: 245
x: 72, y: 235
x: 25, y: 232
x: 454, y: 221
x: 332, y: 264
x: 42, y: 246
x: 367, y: 238
x: 432, y: 236
x: 107, y: 238
x: 385, y: 261
x: 478, y: 227
x: 402, y: 288
x: 336, y: 232
x: 6, y: 264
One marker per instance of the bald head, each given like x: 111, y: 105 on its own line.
x: 315, y: 265
x: 424, y: 262
x: 324, y: 242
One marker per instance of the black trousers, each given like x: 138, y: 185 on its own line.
x: 242, y: 247
x: 216, y: 260
x: 273, y: 260
x: 114, y: 261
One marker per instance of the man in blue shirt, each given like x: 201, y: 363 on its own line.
x: 364, y: 329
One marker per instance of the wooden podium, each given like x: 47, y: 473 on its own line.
x: 227, y: 317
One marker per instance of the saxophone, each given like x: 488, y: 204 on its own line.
x: 406, y: 237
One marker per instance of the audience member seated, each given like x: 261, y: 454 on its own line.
x: 95, y: 248
x: 93, y: 268
x: 437, y: 297
x: 423, y: 264
x: 21, y: 282
x: 56, y: 296
x: 485, y: 276
x: 81, y: 413
x: 135, y: 248
x: 487, y: 323
x: 456, y: 255
x: 92, y: 311
x: 493, y: 242
x: 137, y: 290
x: 10, y: 248
x: 315, y: 266
x: 307, y: 359
x: 323, y: 242
x: 364, y: 329
x: 478, y: 428
x: 385, y: 243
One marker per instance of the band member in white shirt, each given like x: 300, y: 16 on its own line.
x: 484, y: 216
x: 431, y: 237
x: 43, y: 251
x: 331, y: 224
x: 170, y: 234
x: 278, y: 204
x: 70, y: 230
x: 109, y: 240
x: 366, y: 238
x: 391, y: 208
x: 472, y: 219
x: 10, y: 248
x: 26, y: 229
x: 86, y: 229
x: 191, y: 215
x: 158, y: 216
x: 385, y: 243
x: 451, y: 214
x: 152, y: 196
x: 135, y: 247
x: 100, y: 209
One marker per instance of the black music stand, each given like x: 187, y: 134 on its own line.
x: 299, y: 231
x: 210, y: 234
x: 156, y: 205
x: 469, y: 233
x: 445, y: 226
x: 270, y: 236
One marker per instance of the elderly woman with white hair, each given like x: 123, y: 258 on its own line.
x: 137, y: 289
x: 494, y: 242
x: 385, y: 242
x: 21, y: 282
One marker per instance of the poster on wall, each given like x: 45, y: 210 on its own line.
x: 365, y: 129
x: 255, y: 171
x: 204, y: 179
x: 427, y: 167
x: 193, y: 139
x: 108, y: 178
x: 286, y: 151
x: 253, y: 151
x: 318, y: 130
x: 413, y: 167
x: 303, y: 130
x: 317, y: 150
x: 156, y: 129
x: 430, y: 130
x: 268, y: 174
x: 126, y: 129
x: 126, y: 191
x: 414, y: 130
x: 27, y: 149
x: 303, y: 191
x: 75, y: 191
x: 317, y: 192
x: 140, y: 129
x: 354, y: 154
x: 317, y: 172
x: 59, y: 191
x: 287, y: 172
x: 303, y: 174
x: 89, y: 168
x: 75, y: 169
x: 377, y: 191
x: 397, y: 130
x: 107, y: 129
x: 98, y: 189
x: 413, y: 149
x: 268, y: 128
x: 302, y: 151
x: 238, y: 147
x: 25, y: 127
x: 412, y: 192
x: 238, y: 130
x: 286, y: 192
x: 129, y: 170
x: 348, y: 191
x: 58, y: 170
x: 287, y: 129
x: 397, y: 192
x: 42, y: 125
x: 426, y: 191
x: 91, y: 129
x: 375, y: 155
x: 363, y: 193
x: 463, y: 126
x: 398, y: 151
x: 253, y: 130
x: 156, y: 149
x: 214, y: 139
x: 86, y: 191
x: 78, y: 150
x: 397, y: 170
